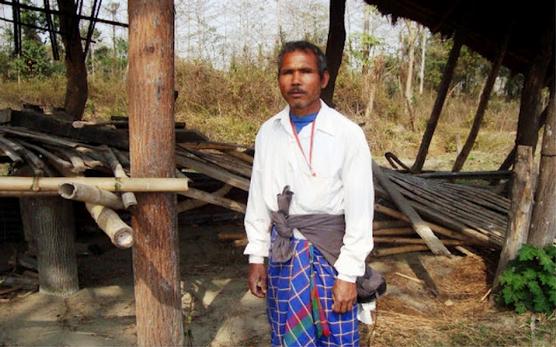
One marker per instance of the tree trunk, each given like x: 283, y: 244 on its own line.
x: 152, y: 151
x: 423, y: 57
x: 531, y: 95
x: 334, y: 46
x: 438, y: 104
x: 76, y: 70
x: 520, y: 210
x: 543, y: 221
x: 52, y: 224
x: 481, y: 109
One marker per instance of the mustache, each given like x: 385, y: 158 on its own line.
x: 296, y: 90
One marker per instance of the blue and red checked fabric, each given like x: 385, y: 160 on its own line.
x: 300, y: 302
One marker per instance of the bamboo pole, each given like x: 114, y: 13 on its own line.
x: 215, y: 200
x: 483, y: 104
x: 105, y: 183
x: 520, y: 213
x: 382, y: 252
x: 91, y: 195
x: 417, y: 223
x: 439, y: 103
x: 193, y: 203
x: 388, y: 224
x: 119, y: 233
x: 394, y: 231
x: 128, y: 198
x: 413, y: 241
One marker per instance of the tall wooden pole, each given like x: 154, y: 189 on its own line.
x: 152, y: 145
x: 481, y: 109
x: 438, y: 104
x: 334, y: 46
x: 543, y: 221
x: 520, y: 210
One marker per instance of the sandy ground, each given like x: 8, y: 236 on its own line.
x: 442, y: 307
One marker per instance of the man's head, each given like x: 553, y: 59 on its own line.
x: 302, y: 73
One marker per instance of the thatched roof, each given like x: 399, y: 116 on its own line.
x: 483, y: 24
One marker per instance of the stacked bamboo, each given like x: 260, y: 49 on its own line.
x: 416, y: 213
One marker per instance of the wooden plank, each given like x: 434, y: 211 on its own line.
x: 192, y: 204
x: 417, y: 223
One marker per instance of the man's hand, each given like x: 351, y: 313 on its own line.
x: 344, y: 295
x: 257, y: 280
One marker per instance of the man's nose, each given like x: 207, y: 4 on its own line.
x: 296, y: 78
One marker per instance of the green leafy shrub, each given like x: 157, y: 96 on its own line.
x: 529, y: 282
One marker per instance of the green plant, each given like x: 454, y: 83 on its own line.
x: 529, y: 282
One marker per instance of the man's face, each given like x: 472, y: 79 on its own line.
x: 300, y: 82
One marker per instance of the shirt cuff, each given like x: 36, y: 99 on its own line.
x: 347, y: 278
x: 254, y: 259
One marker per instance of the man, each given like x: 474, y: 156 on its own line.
x: 318, y: 232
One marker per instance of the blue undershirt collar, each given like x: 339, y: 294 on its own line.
x: 301, y: 121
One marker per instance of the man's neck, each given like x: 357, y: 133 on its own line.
x: 305, y: 111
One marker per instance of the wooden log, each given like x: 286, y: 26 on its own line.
x: 436, y: 228
x: 231, y: 235
x: 36, y: 164
x: 417, y: 223
x: 61, y: 165
x: 470, y: 175
x: 53, y: 225
x: 413, y: 241
x: 106, y: 183
x: 382, y: 252
x: 483, y: 104
x: 543, y: 219
x: 387, y: 224
x: 193, y: 203
x: 128, y: 198
x: 439, y: 103
x: 215, y: 200
x: 212, y: 171
x: 108, y: 221
x: 150, y: 86
x: 394, y: 231
x: 8, y: 151
x: 241, y: 155
x: 520, y: 213
x: 90, y: 194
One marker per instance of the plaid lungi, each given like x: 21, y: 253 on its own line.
x: 300, y: 302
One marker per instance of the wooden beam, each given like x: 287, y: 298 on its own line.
x: 483, y: 104
x: 439, y: 103
x: 417, y: 223
x: 150, y: 87
x: 215, y: 200
x: 334, y: 46
x: 543, y: 220
x: 522, y: 198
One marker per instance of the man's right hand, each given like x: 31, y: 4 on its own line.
x: 257, y: 280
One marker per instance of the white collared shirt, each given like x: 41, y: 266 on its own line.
x: 343, y: 183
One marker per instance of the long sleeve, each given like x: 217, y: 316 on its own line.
x: 358, y: 208
x: 257, y: 216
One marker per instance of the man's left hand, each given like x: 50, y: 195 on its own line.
x: 344, y: 295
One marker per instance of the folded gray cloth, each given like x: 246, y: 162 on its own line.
x: 326, y: 233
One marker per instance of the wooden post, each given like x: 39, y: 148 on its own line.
x: 52, y: 224
x: 152, y: 152
x: 520, y: 211
x: 334, y: 46
x: 483, y: 104
x: 531, y: 95
x: 543, y: 220
x: 438, y: 104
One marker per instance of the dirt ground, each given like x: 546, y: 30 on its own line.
x: 441, y: 305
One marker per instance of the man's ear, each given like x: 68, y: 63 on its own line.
x: 324, y: 80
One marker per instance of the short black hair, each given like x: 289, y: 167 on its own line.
x: 305, y: 46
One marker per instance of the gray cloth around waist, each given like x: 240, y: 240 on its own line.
x: 326, y: 233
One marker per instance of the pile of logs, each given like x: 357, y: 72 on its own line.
x: 414, y: 212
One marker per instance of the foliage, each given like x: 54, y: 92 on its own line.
x: 529, y: 282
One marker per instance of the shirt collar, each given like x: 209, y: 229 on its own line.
x: 323, y: 122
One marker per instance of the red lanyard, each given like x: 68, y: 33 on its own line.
x: 310, y: 161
